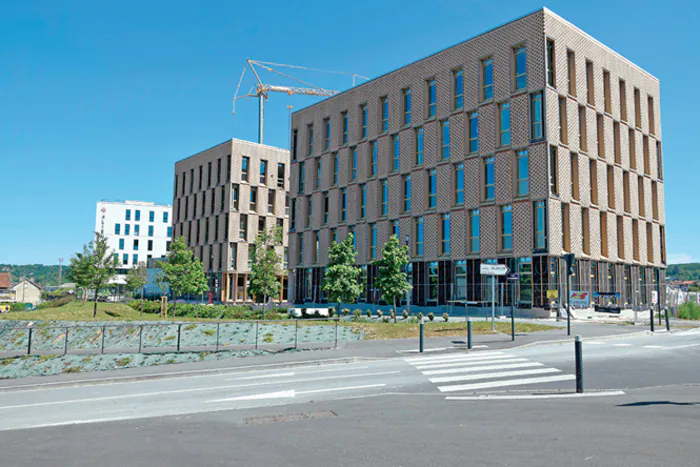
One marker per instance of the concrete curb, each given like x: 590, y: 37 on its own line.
x: 629, y: 335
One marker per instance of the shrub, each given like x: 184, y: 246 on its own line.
x: 19, y: 306
x: 386, y: 319
x: 57, y: 303
x: 689, y: 311
x: 431, y: 316
x: 369, y: 313
x: 405, y: 314
x: 380, y: 313
x: 346, y: 311
x: 445, y: 316
x: 331, y: 311
x: 419, y: 316
x: 357, y: 313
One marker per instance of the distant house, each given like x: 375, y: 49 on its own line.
x: 27, y: 291
x: 6, y: 292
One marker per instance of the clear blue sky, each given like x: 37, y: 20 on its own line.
x: 98, y: 99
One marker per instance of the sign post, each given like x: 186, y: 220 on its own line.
x: 570, y: 266
x: 493, y: 270
x: 512, y: 277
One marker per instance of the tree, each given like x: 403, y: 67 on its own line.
x: 136, y: 279
x: 80, y: 264
x: 266, y: 270
x: 183, y: 271
x: 392, y: 272
x: 93, y: 267
x: 341, y: 278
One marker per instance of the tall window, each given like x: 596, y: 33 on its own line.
x: 372, y: 241
x: 150, y: 230
x: 565, y: 228
x: 117, y: 229
x: 234, y: 195
x: 536, y: 116
x: 473, y: 130
x: 563, y: 123
x: 300, y: 247
x: 253, y: 199
x: 601, y: 135
x: 263, y: 171
x: 406, y: 106
x: 637, y: 109
x: 641, y: 196
x: 445, y: 234
x: 604, y: 234
x: 353, y: 163
x: 127, y: 216
x: 582, y: 129
x: 363, y: 202
x: 343, y: 204
x: 459, y: 183
x: 406, y: 193
x: 590, y: 84
x: 520, y: 68
x: 607, y: 101
x: 326, y: 134
x: 575, y: 194
x: 325, y: 208
x: 460, y: 279
x: 445, y: 139
x: 620, y: 237
x: 645, y: 154
x: 151, y: 216
x: 523, y: 173
x: 319, y: 173
x: 244, y: 168
x: 344, y: 127
x: 243, y: 228
x: 593, y: 180
x: 474, y: 229
x: 208, y: 174
x: 121, y: 243
x: 418, y: 145
x: 616, y: 143
x: 626, y: 191
x: 373, y: 159
x: 395, y: 152
x: 551, y: 63
x: 585, y: 234
x: 363, y: 121
x: 335, y: 168
x: 295, y: 143
x: 611, y: 187
x: 384, y: 114
x: 654, y: 201
x: 309, y: 210
x: 571, y: 68
x: 418, y: 236
x: 540, y: 225
x: 310, y: 139
x: 395, y: 228
x: 623, y: 100
x: 317, y: 247
x: 432, y: 98
x: 433, y: 278
x: 650, y: 111
x: 432, y: 189
x: 457, y: 89
x: 384, y: 203
x: 302, y: 177
x: 489, y: 179
x: 506, y: 228
x: 487, y: 79
x: 504, y: 124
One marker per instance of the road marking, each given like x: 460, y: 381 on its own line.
x: 482, y: 368
x: 470, y: 363
x: 653, y: 346
x: 455, y: 357
x: 594, y: 342
x: 681, y: 346
x: 506, y: 397
x: 499, y: 374
x: 509, y: 382
x: 347, y: 388
x: 278, y: 375
x: 438, y: 349
x: 622, y: 345
x: 255, y: 397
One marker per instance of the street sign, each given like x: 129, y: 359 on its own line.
x: 606, y: 294
x: 579, y: 299
x: 553, y: 294
x: 494, y: 269
x: 654, y: 297
x: 513, y: 277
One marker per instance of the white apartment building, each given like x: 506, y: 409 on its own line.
x: 136, y: 230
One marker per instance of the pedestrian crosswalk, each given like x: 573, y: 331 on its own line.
x: 489, y: 370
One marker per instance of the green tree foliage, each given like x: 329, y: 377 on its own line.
x: 44, y: 274
x: 392, y: 279
x: 92, y: 268
x: 266, y: 270
x: 183, y: 271
x: 684, y: 272
x: 137, y: 278
x: 341, y: 279
x: 81, y: 270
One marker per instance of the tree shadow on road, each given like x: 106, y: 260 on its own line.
x: 648, y: 403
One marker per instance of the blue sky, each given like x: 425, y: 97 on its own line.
x: 98, y: 99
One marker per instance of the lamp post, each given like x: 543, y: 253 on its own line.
x: 406, y: 241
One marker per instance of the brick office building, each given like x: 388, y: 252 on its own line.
x: 222, y: 198
x: 516, y: 146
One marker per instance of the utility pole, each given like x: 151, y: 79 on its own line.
x: 570, y: 266
x: 60, y: 271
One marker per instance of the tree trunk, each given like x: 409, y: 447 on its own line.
x: 339, y: 310
x: 394, y: 310
x: 174, y: 305
x: 264, y: 304
x: 141, y: 313
x: 94, y: 309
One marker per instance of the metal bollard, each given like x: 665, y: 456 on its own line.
x: 512, y: 325
x: 668, y: 325
x: 29, y: 342
x: 102, y: 345
x: 257, y: 325
x: 578, y: 350
x: 140, y: 338
x: 65, y: 342
x: 218, y: 325
x: 179, y: 331
x: 469, y: 333
x: 651, y: 319
x: 336, y: 332
x: 421, y: 337
x: 296, y: 333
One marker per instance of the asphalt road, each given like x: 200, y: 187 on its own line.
x: 431, y: 409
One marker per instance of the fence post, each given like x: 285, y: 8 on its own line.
x: 179, y: 330
x: 65, y: 343
x: 651, y: 318
x: 140, y: 338
x: 420, y: 343
x: 218, y: 324
x: 469, y: 333
x: 578, y: 351
x: 102, y: 346
x: 668, y: 325
x: 29, y: 342
x: 257, y: 325
x: 296, y: 333
x: 336, y: 332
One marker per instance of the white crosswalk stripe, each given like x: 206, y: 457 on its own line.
x: 484, y: 371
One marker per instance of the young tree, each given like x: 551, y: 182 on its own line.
x: 392, y: 272
x: 136, y: 279
x: 266, y: 271
x: 80, y: 270
x: 103, y: 265
x: 183, y: 271
x: 341, y: 279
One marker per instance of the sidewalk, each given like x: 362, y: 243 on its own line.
x: 347, y: 352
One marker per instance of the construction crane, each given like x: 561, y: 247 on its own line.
x: 261, y: 90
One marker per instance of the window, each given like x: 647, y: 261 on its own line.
x: 473, y: 132
x: 263, y: 171
x: 659, y: 161
x: 373, y: 159
x: 251, y: 255
x: 335, y: 168
x: 489, y: 179
x: 406, y: 106
x: 523, y: 173
x: 611, y: 187
x: 208, y: 174
x: 418, y: 236
x: 137, y: 215
x: 384, y: 114
x: 474, y: 228
x: 582, y: 129
x: 363, y: 121
x: 150, y: 230
x: 620, y: 237
x: 310, y: 139
x: 218, y: 171
x: 243, y: 231
x: 553, y: 170
x: 650, y: 244
x: 445, y: 234
x: 506, y: 228
x: 117, y: 229
x: 432, y: 189
x: 563, y: 123
x: 353, y: 163
x: 433, y: 284
x: 302, y: 177
x: 334, y: 235
x: 616, y: 143
x: 593, y: 180
x: 536, y: 118
x: 295, y: 143
x: 551, y: 63
x: 504, y: 124
x: 626, y: 191
x: 635, y: 239
x: 520, y: 68
x: 487, y: 79
x: 395, y: 152
x: 645, y: 153
x: 234, y: 194
x: 125, y: 259
x: 601, y: 135
x: 372, y: 241
x: 540, y: 225
x: 325, y: 209
x: 445, y: 139
x: 457, y: 89
x: 170, y: 232
x: 326, y: 134
x: 137, y: 230
x: 343, y: 204
x: 575, y: 193
x: 212, y: 199
x: 460, y: 280
x: 128, y: 215
x: 604, y: 234
x: 590, y: 85
x: 244, y: 168
x: 319, y: 173
x: 317, y: 247
x: 406, y: 193
x: 418, y: 146
x: 654, y: 201
x: 165, y: 217
x: 571, y: 66
x: 623, y: 100
x: 585, y: 234
x: 650, y: 107
x: 300, y: 247
x: 384, y: 203
x: 309, y: 210
x: 151, y: 216
x: 121, y: 243
x: 270, y: 201
x: 662, y: 243
x: 150, y: 245
x: 565, y: 228
x: 363, y: 202
x: 637, y: 109
x: 228, y: 168
x: 216, y: 228
x: 395, y: 228
x: 136, y: 245
x: 606, y: 92
x: 641, y: 197
x: 280, y: 175
x: 253, y: 199
x: 458, y: 184
x: 432, y: 98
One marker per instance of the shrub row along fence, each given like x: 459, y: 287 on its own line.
x: 155, y: 337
